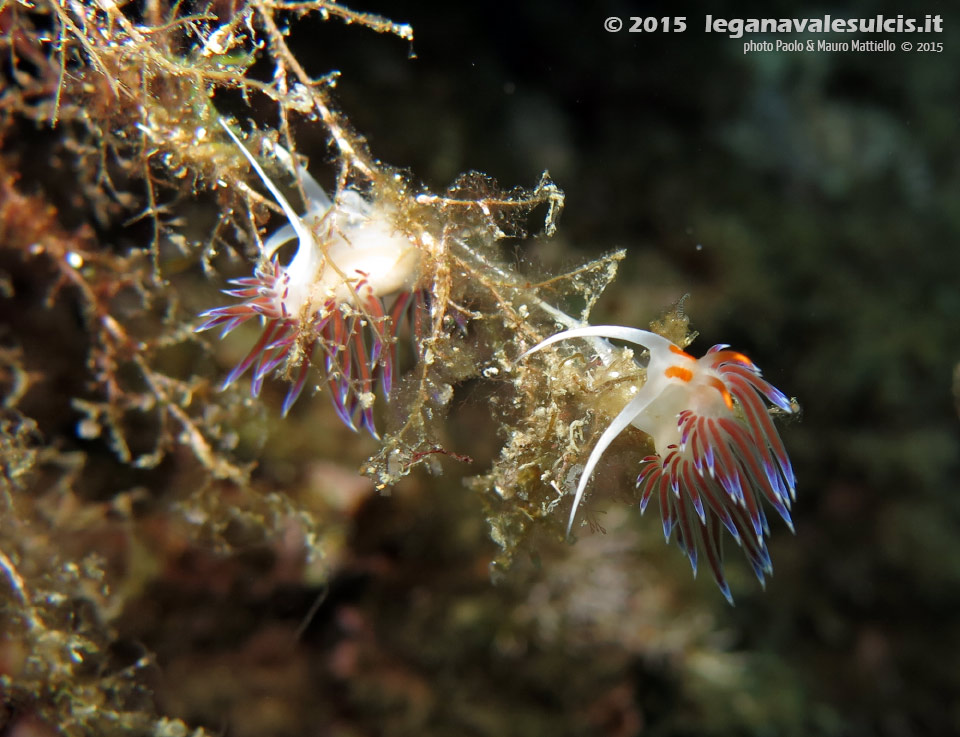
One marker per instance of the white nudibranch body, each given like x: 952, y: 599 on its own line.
x: 348, y: 250
x: 351, y: 257
x: 717, y: 450
x: 354, y: 251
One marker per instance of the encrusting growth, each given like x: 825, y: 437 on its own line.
x: 351, y: 256
x: 717, y: 451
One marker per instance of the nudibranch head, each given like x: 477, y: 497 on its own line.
x: 350, y: 285
x: 718, y: 453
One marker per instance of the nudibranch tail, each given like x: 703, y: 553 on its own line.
x: 718, y: 453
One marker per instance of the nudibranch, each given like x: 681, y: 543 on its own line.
x: 718, y: 453
x: 349, y: 287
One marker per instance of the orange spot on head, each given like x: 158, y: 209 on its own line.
x: 729, y: 357
x: 678, y: 372
x: 681, y: 352
x: 721, y: 387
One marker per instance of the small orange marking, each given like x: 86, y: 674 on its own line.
x: 741, y: 358
x: 721, y: 387
x: 678, y: 372
x: 681, y: 352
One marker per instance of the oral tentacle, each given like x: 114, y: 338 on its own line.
x: 301, y: 230
x: 634, y: 407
